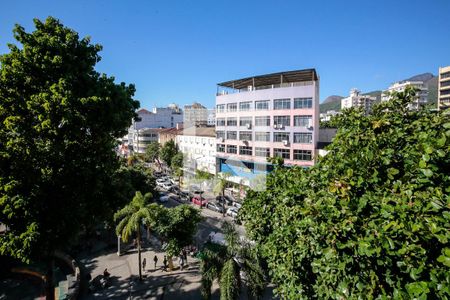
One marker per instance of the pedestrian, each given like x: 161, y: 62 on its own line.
x: 155, y: 260
x: 181, y: 262
x: 144, y: 262
x: 165, y: 263
x: 185, y: 255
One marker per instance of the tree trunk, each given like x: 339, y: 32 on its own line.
x: 170, y: 263
x: 49, y: 287
x: 139, y: 251
x: 223, y: 202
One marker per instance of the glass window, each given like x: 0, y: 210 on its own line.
x: 220, y: 147
x: 280, y: 136
x: 263, y: 152
x: 283, y: 120
x: 282, y: 104
x: 284, y: 153
x: 303, y: 121
x: 302, y: 155
x: 219, y: 134
x: 231, y: 122
x: 231, y: 135
x: 232, y: 107
x: 243, y: 121
x: 245, y: 106
x: 262, y: 121
x: 220, y: 122
x: 245, y: 150
x: 245, y: 135
x: 220, y: 108
x: 262, y: 105
x: 303, y: 103
x: 262, y: 136
x: 302, y: 137
x: 232, y: 149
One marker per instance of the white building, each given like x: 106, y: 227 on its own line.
x: 325, y: 117
x: 421, y: 94
x: 195, y: 115
x: 356, y: 99
x: 211, y: 117
x: 143, y: 137
x: 444, y: 88
x: 198, y: 144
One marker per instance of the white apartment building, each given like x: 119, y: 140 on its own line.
x: 444, y: 88
x: 211, y: 117
x: 356, y: 99
x: 421, y: 94
x: 326, y: 116
x: 198, y: 145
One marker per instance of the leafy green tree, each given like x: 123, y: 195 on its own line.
x: 133, y: 216
x: 60, y: 123
x: 371, y: 219
x: 221, y: 183
x: 177, y: 161
x: 168, y: 151
x: 226, y: 262
x: 152, y: 152
x: 203, y: 175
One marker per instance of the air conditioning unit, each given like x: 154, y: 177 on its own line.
x: 275, y: 126
x: 248, y: 125
x: 310, y: 127
x: 285, y: 142
x: 280, y: 126
x: 245, y: 142
x: 221, y: 139
x: 249, y: 88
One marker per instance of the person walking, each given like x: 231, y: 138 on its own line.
x: 165, y: 263
x: 144, y: 262
x: 155, y: 260
x: 181, y: 262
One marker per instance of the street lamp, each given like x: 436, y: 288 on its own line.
x: 118, y: 245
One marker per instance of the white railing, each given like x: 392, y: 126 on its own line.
x: 265, y: 87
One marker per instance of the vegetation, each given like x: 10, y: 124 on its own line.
x: 225, y: 263
x: 168, y: 151
x: 371, y: 219
x: 152, y: 152
x: 220, y: 186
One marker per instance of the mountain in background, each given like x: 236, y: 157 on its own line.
x: 334, y: 102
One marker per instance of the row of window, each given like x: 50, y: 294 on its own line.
x: 299, y: 103
x: 300, y: 121
x: 304, y: 155
x: 445, y: 83
x: 444, y: 92
x: 445, y: 75
x: 299, y: 137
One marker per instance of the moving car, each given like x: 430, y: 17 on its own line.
x: 199, y: 200
x: 232, y: 212
x: 215, y: 207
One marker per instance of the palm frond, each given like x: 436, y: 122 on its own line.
x: 230, y: 284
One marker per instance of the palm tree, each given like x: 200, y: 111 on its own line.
x: 227, y: 262
x: 220, y: 186
x: 132, y: 216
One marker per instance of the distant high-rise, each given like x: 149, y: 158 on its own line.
x: 356, y: 99
x: 195, y: 115
x: 444, y: 88
x: 421, y: 94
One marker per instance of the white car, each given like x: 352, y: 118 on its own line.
x: 160, y: 180
x: 164, y: 199
x: 232, y: 212
x: 166, y: 185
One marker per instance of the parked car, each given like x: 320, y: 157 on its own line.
x: 199, y: 200
x: 163, y: 199
x: 225, y: 199
x: 232, y: 212
x: 166, y: 185
x: 160, y: 180
x: 215, y: 207
x: 175, y: 189
x: 237, y: 204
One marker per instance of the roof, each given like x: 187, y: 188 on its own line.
x: 173, y: 131
x: 274, y: 78
x: 199, y: 131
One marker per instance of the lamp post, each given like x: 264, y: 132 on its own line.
x: 118, y: 245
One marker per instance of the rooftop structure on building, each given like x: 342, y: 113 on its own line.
x: 264, y: 116
x: 356, y: 99
x: 421, y: 98
x: 444, y: 88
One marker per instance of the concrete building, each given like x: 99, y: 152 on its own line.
x: 444, y: 88
x: 198, y: 145
x: 264, y: 116
x: 356, y: 99
x: 142, y: 137
x: 421, y: 95
x: 195, y: 115
x: 326, y: 116
x: 211, y: 117
x: 169, y: 134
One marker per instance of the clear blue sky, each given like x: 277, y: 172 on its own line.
x: 176, y: 51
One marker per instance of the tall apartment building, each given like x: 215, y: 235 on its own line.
x: 265, y: 116
x: 356, y: 99
x: 444, y: 88
x: 195, y: 115
x: 421, y: 94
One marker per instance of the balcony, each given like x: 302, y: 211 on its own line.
x: 227, y: 91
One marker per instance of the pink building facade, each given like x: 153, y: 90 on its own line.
x: 265, y: 116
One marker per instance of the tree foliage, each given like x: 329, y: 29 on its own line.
x: 168, y: 151
x: 152, y: 152
x: 60, y: 120
x: 371, y: 219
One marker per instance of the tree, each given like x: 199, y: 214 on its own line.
x: 60, y: 123
x: 220, y: 186
x: 177, y: 161
x: 371, y: 219
x: 168, y: 151
x: 134, y: 215
x: 226, y: 262
x: 152, y: 152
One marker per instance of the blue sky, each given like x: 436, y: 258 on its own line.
x: 176, y: 51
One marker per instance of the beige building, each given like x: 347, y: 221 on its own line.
x: 356, y: 99
x: 195, y: 115
x: 421, y: 94
x: 444, y: 88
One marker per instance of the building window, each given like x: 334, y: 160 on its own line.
x: 445, y: 92
x: 302, y: 155
x: 445, y: 83
x: 262, y: 105
x: 232, y: 149
x: 220, y: 122
x: 220, y: 134
x: 243, y: 121
x: 245, y: 135
x: 303, y: 103
x: 220, y: 147
x: 263, y: 152
x: 262, y: 136
x: 283, y: 120
x: 445, y: 75
x: 231, y: 122
x: 282, y: 104
x: 245, y: 150
x: 231, y: 135
x: 303, y: 121
x: 284, y: 153
x: 245, y: 106
x: 220, y: 108
x: 262, y: 121
x: 302, y: 137
x: 232, y: 107
x: 280, y: 136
